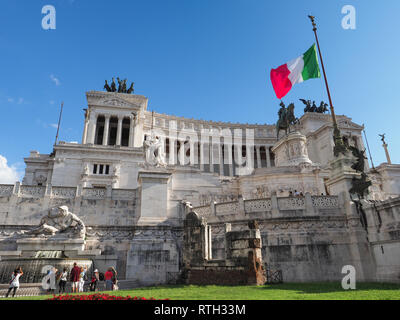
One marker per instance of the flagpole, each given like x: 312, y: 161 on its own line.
x: 339, y: 145
x: 59, y: 121
x: 369, y: 151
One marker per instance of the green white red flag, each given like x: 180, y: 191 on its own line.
x: 295, y: 71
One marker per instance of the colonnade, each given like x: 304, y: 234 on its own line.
x: 108, y: 129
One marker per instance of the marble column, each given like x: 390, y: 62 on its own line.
x: 258, y: 156
x: 182, y: 152
x: 230, y: 159
x: 92, y: 129
x: 388, y: 160
x: 85, y: 131
x: 131, y: 131
x: 249, y: 157
x: 238, y: 155
x: 164, y: 148
x: 211, y: 155
x: 201, y: 156
x: 172, y: 151
x: 192, y: 153
x: 106, y: 129
x: 221, y: 159
x: 119, y: 130
x: 268, y: 156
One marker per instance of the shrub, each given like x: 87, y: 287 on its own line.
x: 97, y: 296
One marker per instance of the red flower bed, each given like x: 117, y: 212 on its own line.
x: 97, y: 296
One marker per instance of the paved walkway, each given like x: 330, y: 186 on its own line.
x: 34, y: 289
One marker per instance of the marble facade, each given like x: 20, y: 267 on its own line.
x: 225, y: 173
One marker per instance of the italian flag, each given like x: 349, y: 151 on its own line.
x: 295, y: 71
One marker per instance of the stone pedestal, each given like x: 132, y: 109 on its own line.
x: 291, y: 150
x: 154, y: 197
x: 339, y: 183
x: 38, y: 244
x: 341, y: 174
x: 390, y: 177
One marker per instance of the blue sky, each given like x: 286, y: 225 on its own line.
x: 207, y: 59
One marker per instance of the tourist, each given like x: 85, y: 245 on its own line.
x: 82, y: 278
x: 108, y: 276
x: 296, y: 193
x: 290, y: 193
x: 63, y: 281
x: 14, y: 283
x: 74, y: 277
x: 114, y: 279
x: 95, y: 280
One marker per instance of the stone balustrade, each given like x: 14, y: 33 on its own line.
x: 204, y: 211
x: 258, y: 205
x: 63, y: 192
x: 94, y: 193
x: 227, y: 208
x: 301, y: 203
x: 6, y: 190
x: 32, y: 191
x: 57, y: 192
x: 325, y: 201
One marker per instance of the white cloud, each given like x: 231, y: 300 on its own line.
x: 51, y: 101
x: 54, y: 125
x: 55, y: 80
x: 20, y: 100
x: 8, y: 174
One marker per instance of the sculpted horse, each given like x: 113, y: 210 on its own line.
x: 286, y: 118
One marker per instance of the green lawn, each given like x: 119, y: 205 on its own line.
x: 286, y: 291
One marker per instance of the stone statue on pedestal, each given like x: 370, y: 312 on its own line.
x: 86, y: 170
x: 107, y: 87
x: 113, y: 86
x: 359, y: 165
x: 122, y: 86
x: 313, y: 107
x: 286, y: 118
x: 130, y: 90
x: 154, y: 151
x: 59, y: 220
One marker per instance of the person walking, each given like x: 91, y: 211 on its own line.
x: 82, y: 278
x: 74, y: 277
x: 14, y: 283
x: 114, y: 279
x: 108, y: 276
x: 63, y: 281
x: 95, y: 279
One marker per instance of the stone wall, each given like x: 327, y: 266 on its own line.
x: 111, y: 215
x: 309, y: 238
x: 25, y: 205
x: 383, y: 227
x: 241, y: 264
